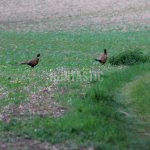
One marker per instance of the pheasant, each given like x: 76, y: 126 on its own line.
x: 103, y: 57
x: 33, y: 62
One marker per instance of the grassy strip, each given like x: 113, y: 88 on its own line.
x: 137, y: 93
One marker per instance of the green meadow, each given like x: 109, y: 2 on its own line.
x: 107, y: 113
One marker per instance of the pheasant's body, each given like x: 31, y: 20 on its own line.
x: 33, y: 62
x: 103, y: 57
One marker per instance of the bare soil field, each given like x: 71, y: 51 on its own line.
x: 48, y: 15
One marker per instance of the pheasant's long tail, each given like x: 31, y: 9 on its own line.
x: 97, y: 59
x: 24, y: 63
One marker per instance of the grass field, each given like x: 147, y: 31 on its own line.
x: 111, y: 113
x: 69, y: 101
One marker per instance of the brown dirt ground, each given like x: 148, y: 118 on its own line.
x: 48, y: 15
x: 41, y: 103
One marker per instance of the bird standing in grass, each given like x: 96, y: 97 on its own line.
x: 33, y: 62
x: 103, y: 57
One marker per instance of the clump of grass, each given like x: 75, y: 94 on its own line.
x: 129, y: 58
x: 100, y: 94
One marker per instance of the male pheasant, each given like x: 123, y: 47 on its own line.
x: 103, y: 57
x: 32, y: 62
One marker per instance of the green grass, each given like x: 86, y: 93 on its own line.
x: 138, y: 94
x: 92, y: 117
x: 129, y: 57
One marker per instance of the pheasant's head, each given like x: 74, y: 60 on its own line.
x: 105, y: 51
x: 38, y: 55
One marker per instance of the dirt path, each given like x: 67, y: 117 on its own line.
x: 47, y: 15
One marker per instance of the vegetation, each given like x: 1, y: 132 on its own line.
x: 101, y: 113
x: 129, y: 57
